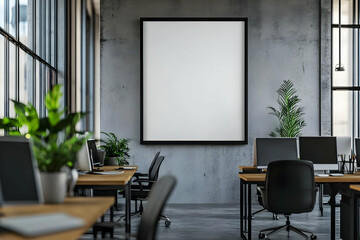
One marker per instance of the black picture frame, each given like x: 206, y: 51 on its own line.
x: 143, y: 79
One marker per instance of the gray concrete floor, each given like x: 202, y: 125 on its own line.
x: 221, y: 222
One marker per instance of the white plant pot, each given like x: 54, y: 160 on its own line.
x: 54, y: 186
x: 111, y: 161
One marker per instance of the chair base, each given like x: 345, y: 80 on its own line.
x: 275, y: 216
x: 288, y: 228
x: 140, y: 212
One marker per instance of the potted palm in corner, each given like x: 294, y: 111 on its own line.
x: 56, y: 143
x: 116, y: 150
x: 290, y: 114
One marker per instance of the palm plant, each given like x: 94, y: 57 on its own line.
x: 289, y: 114
x: 115, y: 147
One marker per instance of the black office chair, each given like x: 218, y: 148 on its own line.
x: 142, y: 175
x: 289, y: 188
x: 160, y: 193
x: 157, y: 199
x: 141, y: 188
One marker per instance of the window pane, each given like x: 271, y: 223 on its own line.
x: 38, y: 27
x: 2, y: 14
x: 12, y: 78
x: 12, y: 17
x: 26, y: 24
x: 48, y: 29
x: 343, y: 78
x: 37, y: 85
x: 2, y: 79
x: 346, y: 12
x: 25, y: 78
x: 342, y: 113
x: 52, y: 15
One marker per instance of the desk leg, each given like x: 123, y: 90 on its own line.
x: 332, y: 213
x: 249, y: 210
x: 241, y: 209
x: 128, y: 207
x: 321, y: 187
x: 356, y: 215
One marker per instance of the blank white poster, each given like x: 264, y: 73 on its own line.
x: 194, y: 81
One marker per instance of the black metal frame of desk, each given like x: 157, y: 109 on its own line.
x: 127, y: 188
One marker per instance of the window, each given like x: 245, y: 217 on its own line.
x: 81, y: 62
x: 345, y: 80
x: 27, y: 52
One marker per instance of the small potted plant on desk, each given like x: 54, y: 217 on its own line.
x: 56, y: 143
x: 116, y: 150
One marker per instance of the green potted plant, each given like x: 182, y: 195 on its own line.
x: 116, y: 150
x: 56, y: 143
x: 289, y: 114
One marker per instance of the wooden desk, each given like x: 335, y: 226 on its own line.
x: 355, y: 187
x: 112, y: 182
x: 248, y: 179
x: 88, y: 209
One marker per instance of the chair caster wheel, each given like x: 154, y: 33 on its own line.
x: 275, y: 217
x: 167, y: 223
x: 261, y: 235
x: 252, y: 217
x: 313, y: 237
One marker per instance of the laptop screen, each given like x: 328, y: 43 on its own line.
x: 18, y: 181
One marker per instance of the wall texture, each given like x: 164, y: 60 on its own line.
x: 284, y: 44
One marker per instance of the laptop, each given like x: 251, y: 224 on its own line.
x: 40, y: 224
x: 19, y: 173
x: 20, y: 184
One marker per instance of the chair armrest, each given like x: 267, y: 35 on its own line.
x: 141, y: 181
x: 138, y: 174
x: 262, y: 192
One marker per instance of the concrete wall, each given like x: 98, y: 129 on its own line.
x: 283, y: 44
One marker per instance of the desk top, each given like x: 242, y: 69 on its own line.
x: 248, y: 168
x: 87, y: 208
x: 347, y: 178
x: 355, y: 187
x: 103, y: 180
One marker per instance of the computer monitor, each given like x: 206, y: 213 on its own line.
x: 321, y: 151
x: 19, y: 173
x: 267, y: 150
x: 93, y: 152
x: 357, y: 149
x: 343, y: 145
x: 84, y: 162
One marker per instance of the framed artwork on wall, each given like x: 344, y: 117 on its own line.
x: 193, y: 81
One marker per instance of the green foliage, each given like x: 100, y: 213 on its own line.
x: 115, y: 147
x: 289, y: 114
x: 55, y: 141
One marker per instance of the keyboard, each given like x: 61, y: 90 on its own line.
x: 41, y: 224
x: 126, y: 168
x: 336, y: 174
x: 321, y: 174
x: 108, y: 173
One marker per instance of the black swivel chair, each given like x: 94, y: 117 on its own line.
x: 158, y: 197
x: 141, y: 188
x: 289, y: 188
x: 141, y: 175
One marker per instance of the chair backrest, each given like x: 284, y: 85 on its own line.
x: 153, y: 162
x: 290, y: 186
x: 153, y: 176
x: 157, y: 199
